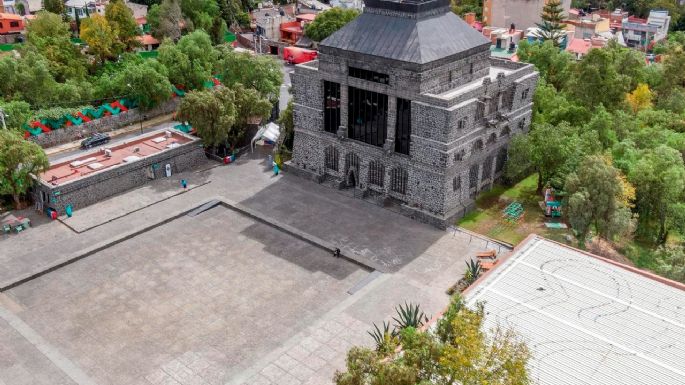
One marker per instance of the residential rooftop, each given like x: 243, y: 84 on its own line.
x: 586, y: 319
x: 98, y: 160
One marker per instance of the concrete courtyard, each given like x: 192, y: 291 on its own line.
x: 135, y: 290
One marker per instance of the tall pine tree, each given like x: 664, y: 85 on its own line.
x: 552, y: 26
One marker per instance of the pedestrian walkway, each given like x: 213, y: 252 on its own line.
x: 140, y: 270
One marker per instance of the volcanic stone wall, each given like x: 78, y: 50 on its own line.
x: 98, y: 186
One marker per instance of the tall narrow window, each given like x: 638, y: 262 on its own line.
x: 376, y: 173
x: 403, y: 126
x: 473, y: 175
x: 331, y: 158
x: 398, y: 180
x: 331, y: 106
x: 367, y: 116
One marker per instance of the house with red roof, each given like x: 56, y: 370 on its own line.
x: 11, y: 24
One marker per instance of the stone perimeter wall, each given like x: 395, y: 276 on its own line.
x: 93, y: 189
x: 106, y: 124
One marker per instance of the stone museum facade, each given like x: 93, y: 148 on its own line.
x: 405, y: 105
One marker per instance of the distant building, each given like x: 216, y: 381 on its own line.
x: 640, y: 33
x: 348, y: 4
x: 147, y: 42
x: 21, y: 7
x: 588, y: 26
x: 101, y: 173
x: 580, y: 47
x: 86, y: 8
x: 405, y: 106
x: 11, y: 23
x: 522, y: 13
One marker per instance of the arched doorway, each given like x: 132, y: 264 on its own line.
x: 352, y: 179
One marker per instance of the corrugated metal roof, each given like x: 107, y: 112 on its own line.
x: 585, y: 320
x: 413, y: 40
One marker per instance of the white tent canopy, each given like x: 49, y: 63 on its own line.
x: 270, y: 132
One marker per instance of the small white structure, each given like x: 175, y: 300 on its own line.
x: 270, y: 132
x: 85, y: 8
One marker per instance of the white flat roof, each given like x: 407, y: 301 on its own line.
x: 586, y: 320
x: 472, y: 85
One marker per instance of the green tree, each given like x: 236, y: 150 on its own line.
x: 19, y: 159
x: 552, y: 27
x: 670, y: 262
x: 287, y: 123
x: 328, y: 22
x: 596, y: 192
x: 554, y: 65
x: 673, y: 74
x: 124, y: 26
x: 16, y: 112
x: 550, y: 151
x: 28, y: 78
x: 178, y: 64
x: 45, y: 25
x: 153, y: 15
x: 54, y: 6
x: 602, y: 122
x: 231, y: 11
x: 146, y: 83
x: 200, y: 13
x: 596, y: 81
x: 462, y: 7
x: 97, y: 33
x: 460, y: 352
x: 190, y: 62
x: 165, y: 21
x: 262, y: 73
x: 212, y: 113
x: 553, y: 107
x: 251, y: 106
x: 217, y: 30
x: 659, y: 180
x: 50, y: 36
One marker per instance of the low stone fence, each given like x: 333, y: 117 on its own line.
x: 104, y: 124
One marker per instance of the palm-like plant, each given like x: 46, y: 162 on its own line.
x: 386, y: 339
x: 473, y: 271
x: 409, y: 315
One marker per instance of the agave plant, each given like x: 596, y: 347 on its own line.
x: 473, y: 271
x: 386, y: 339
x: 409, y: 315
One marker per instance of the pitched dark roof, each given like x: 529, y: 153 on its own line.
x: 408, y: 39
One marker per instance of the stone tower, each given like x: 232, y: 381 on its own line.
x: 406, y: 106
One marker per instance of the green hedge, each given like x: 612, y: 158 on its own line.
x: 148, y: 54
x: 9, y: 47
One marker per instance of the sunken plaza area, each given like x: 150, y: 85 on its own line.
x: 229, y: 282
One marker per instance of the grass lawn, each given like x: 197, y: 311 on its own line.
x: 487, y: 218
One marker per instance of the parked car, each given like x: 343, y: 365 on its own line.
x: 95, y: 140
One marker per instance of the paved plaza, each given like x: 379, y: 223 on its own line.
x: 137, y: 291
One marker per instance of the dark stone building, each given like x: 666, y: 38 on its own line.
x: 405, y: 105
